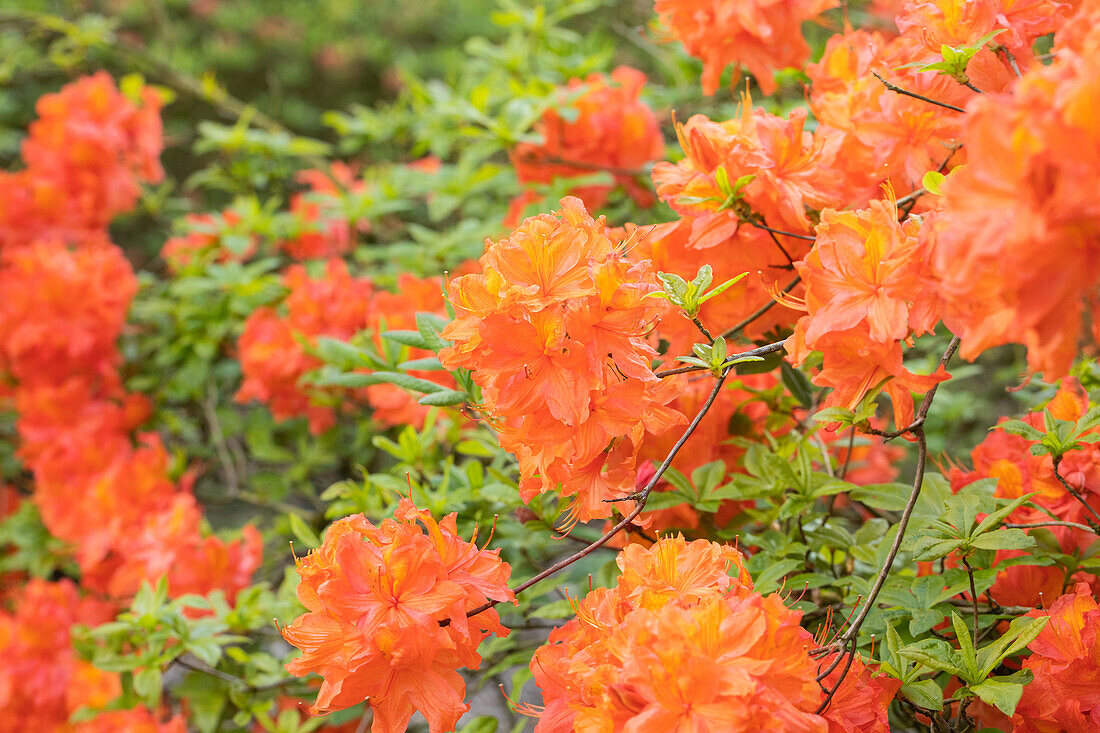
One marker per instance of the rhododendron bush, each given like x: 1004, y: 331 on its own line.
x: 706, y: 366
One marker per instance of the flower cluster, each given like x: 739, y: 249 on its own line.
x: 43, y: 682
x: 387, y: 616
x: 1008, y: 459
x: 99, y: 485
x: 614, y: 130
x: 679, y: 644
x: 1065, y: 692
x: 554, y: 331
x: 86, y: 156
x: 321, y: 229
x: 336, y: 305
x: 1016, y: 241
x: 757, y: 168
x: 867, y: 291
x: 764, y: 35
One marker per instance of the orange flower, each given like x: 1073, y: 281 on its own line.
x: 867, y: 289
x: 86, y: 155
x: 613, y: 129
x: 1065, y: 660
x: 42, y: 682
x: 764, y: 35
x: 678, y: 645
x: 62, y: 311
x: 554, y: 332
x: 202, y: 243
x: 861, y: 703
x: 387, y: 616
x: 323, y: 230
x: 1017, y: 238
x: 334, y: 305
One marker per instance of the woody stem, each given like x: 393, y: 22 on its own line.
x: 639, y: 505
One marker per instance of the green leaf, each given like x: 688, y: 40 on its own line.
x: 966, y: 647
x: 147, y: 684
x: 303, y: 532
x: 1021, y: 632
x: 932, y: 182
x: 998, y: 516
x: 924, y: 693
x: 429, y: 325
x: 935, y: 653
x: 444, y: 398
x: 1003, y: 539
x: 797, y: 383
x: 406, y: 381
x: 1019, y: 427
x: 1005, y: 696
x: 408, y: 338
x: 931, y: 547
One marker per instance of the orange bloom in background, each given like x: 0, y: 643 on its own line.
x: 867, y: 290
x: 206, y: 240
x: 333, y: 305
x: 62, y: 310
x: 1015, y: 243
x: 42, y: 681
x: 678, y: 644
x: 323, y: 229
x: 387, y: 616
x: 1065, y: 660
x: 763, y: 35
x: 273, y: 361
x: 554, y: 330
x: 86, y: 155
x: 613, y: 130
x: 1008, y: 459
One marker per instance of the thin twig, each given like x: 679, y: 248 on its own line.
x: 968, y: 85
x: 1074, y: 492
x: 917, y: 428
x: 642, y: 498
x: 850, y: 654
x: 772, y: 230
x: 926, y: 403
x: 762, y: 310
x: 1074, y: 525
x: 973, y: 595
x: 702, y: 329
x: 229, y: 468
x: 914, y: 95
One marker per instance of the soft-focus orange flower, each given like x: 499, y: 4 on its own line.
x: 42, y: 681
x: 387, y: 616
x: 1016, y: 242
x: 613, y: 130
x: 763, y: 35
x: 202, y: 243
x: 323, y: 229
x: 554, y: 331
x: 62, y: 310
x: 334, y: 305
x: 1065, y: 660
x: 86, y: 155
x: 678, y: 644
